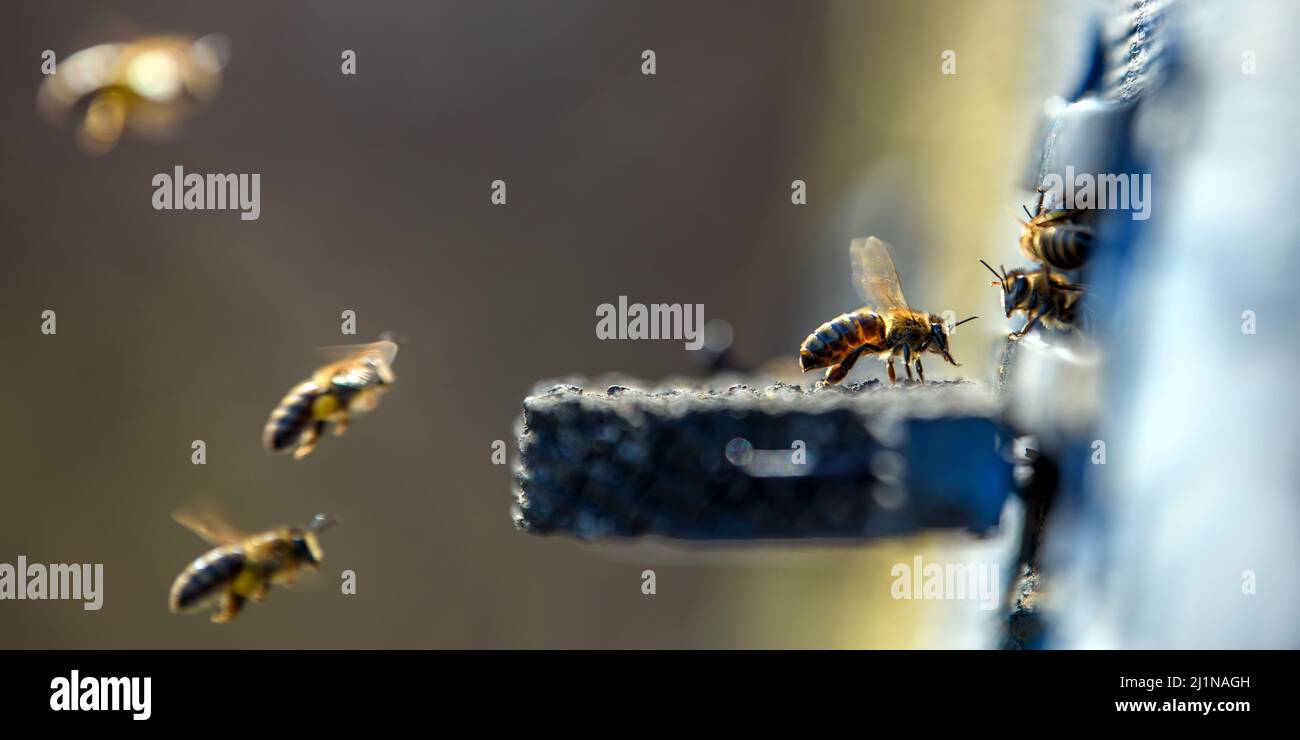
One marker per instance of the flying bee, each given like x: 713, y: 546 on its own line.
x: 1054, y: 238
x: 351, y: 384
x: 148, y: 86
x: 243, y: 567
x: 886, y: 327
x: 1041, y: 296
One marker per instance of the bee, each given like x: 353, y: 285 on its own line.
x: 1054, y: 238
x: 349, y: 385
x: 242, y: 567
x: 147, y: 85
x: 1041, y: 296
x: 886, y: 328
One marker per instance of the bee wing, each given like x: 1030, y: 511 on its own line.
x: 208, y: 522
x: 874, y: 274
x: 1064, y: 222
x: 384, y: 349
x: 80, y: 74
x: 342, y: 358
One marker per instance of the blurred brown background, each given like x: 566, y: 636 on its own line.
x: 175, y: 326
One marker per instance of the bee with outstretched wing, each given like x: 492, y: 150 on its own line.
x: 350, y: 384
x: 242, y: 567
x: 887, y: 327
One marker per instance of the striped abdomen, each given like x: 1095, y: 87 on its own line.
x: 835, y: 339
x: 207, y: 577
x: 290, y: 418
x: 1063, y: 247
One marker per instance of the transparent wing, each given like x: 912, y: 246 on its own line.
x: 385, y: 350
x: 208, y: 522
x: 366, y: 363
x: 874, y: 274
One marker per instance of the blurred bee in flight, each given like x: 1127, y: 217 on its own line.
x: 243, y: 567
x: 351, y: 384
x: 148, y: 86
x: 1040, y: 295
x: 886, y: 327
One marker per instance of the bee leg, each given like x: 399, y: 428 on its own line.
x: 307, y: 442
x: 230, y: 606
x: 1042, y: 193
x: 341, y: 425
x: 366, y: 401
x: 893, y: 376
x: 1033, y: 319
x: 836, y: 373
x: 920, y: 372
x: 260, y: 594
x: 907, y: 361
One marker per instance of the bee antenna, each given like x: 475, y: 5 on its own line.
x: 990, y: 269
x: 321, y: 522
x: 1027, y: 213
x: 959, y: 323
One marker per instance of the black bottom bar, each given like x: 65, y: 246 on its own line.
x: 556, y: 691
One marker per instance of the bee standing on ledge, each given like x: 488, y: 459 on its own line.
x: 350, y: 385
x: 1041, y: 296
x: 886, y: 328
x: 1054, y: 238
x: 241, y: 567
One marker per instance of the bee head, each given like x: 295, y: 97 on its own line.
x: 381, y: 359
x: 306, y: 548
x: 306, y: 544
x: 939, y: 334
x: 1014, y: 285
x: 1018, y: 293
